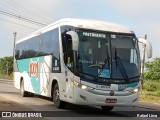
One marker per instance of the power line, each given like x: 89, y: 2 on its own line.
x: 31, y: 8
x: 22, y: 8
x: 22, y: 18
x: 3, y: 20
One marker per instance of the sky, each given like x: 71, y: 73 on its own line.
x: 143, y: 16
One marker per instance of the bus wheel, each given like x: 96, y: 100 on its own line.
x: 56, y: 98
x: 107, y: 108
x: 23, y: 92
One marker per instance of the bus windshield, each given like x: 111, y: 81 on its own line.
x: 125, y: 56
x: 93, y: 50
x: 108, y: 55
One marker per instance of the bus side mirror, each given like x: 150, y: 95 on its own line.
x: 148, y: 46
x: 75, y: 39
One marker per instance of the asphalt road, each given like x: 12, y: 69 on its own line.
x: 10, y: 100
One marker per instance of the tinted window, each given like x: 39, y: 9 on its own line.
x: 41, y: 45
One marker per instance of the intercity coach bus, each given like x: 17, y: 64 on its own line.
x: 81, y: 61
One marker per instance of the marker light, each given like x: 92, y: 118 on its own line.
x: 76, y: 83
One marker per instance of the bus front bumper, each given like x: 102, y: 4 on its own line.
x: 83, y: 97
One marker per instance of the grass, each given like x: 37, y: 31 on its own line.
x: 6, y: 77
x: 149, y: 97
x: 151, y: 91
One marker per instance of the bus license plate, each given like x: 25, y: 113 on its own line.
x: 111, y: 101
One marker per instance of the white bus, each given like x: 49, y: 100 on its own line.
x: 79, y: 61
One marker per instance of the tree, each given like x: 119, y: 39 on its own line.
x: 152, y: 69
x: 6, y: 65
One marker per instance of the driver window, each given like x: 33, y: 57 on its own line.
x: 67, y: 50
x: 69, y: 55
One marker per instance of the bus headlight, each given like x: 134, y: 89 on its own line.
x: 135, y: 90
x: 84, y: 87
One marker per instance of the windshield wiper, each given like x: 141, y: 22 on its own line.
x: 105, y: 61
x: 86, y: 74
x: 121, y: 67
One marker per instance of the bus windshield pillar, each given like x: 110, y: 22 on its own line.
x: 74, y: 59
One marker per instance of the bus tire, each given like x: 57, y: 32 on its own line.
x: 56, y: 98
x: 23, y: 92
x: 29, y: 94
x: 107, y: 108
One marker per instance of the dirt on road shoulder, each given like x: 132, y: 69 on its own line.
x: 8, y: 105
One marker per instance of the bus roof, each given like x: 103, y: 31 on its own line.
x: 82, y: 23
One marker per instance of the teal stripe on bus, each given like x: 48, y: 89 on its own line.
x: 32, y: 67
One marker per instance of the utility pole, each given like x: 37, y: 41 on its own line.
x: 7, y: 68
x: 143, y: 61
x: 15, y: 33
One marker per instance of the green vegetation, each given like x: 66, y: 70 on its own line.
x: 152, y: 70
x: 6, y: 67
x: 6, y: 77
x: 151, y: 91
x: 151, y: 87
